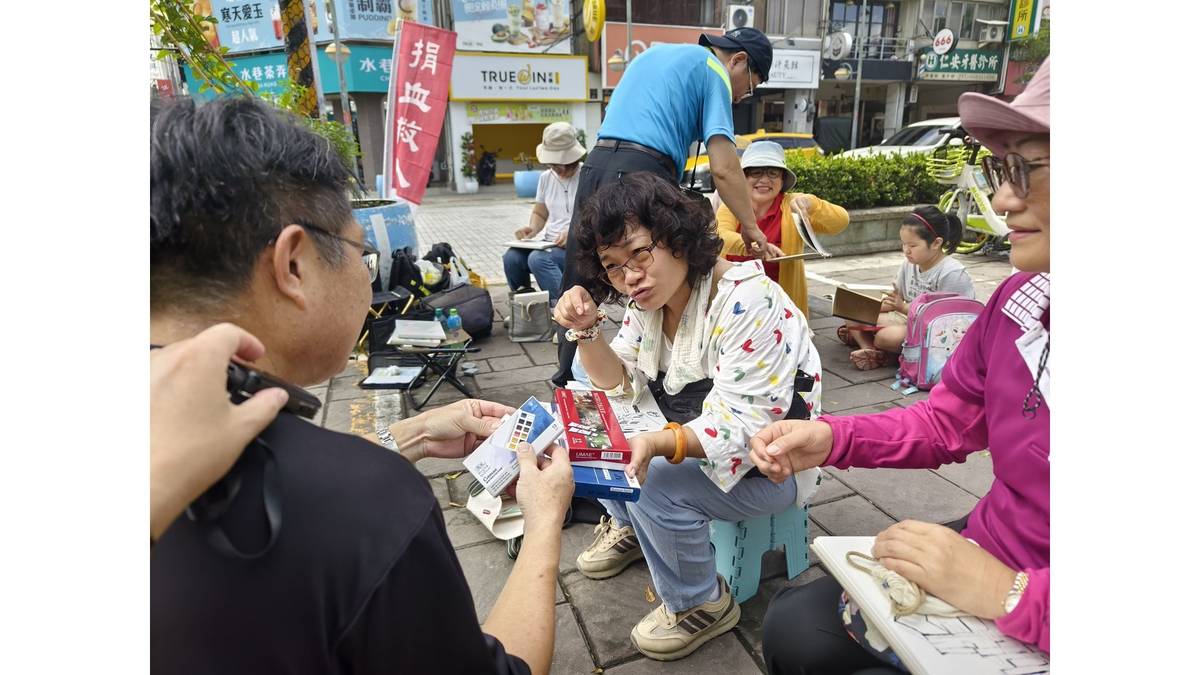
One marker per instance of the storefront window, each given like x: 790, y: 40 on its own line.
x: 877, y: 20
x: 959, y: 17
x: 674, y: 13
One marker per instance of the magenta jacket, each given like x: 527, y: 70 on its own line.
x: 978, y: 405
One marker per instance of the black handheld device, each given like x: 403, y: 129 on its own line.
x: 245, y: 381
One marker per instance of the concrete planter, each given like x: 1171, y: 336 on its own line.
x: 869, y: 231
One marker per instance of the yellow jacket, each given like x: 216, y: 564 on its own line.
x: 826, y: 218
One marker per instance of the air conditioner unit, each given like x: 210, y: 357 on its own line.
x: 740, y: 16
x: 992, y: 31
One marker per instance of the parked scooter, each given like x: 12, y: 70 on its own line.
x: 485, y: 169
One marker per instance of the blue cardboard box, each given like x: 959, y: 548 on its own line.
x: 605, y: 484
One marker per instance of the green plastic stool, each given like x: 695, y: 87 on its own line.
x: 739, y: 547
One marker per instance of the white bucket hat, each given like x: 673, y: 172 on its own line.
x: 768, y: 154
x: 559, y: 145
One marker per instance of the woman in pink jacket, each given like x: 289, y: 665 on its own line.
x: 994, y: 393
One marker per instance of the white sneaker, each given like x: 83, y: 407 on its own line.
x: 610, y: 553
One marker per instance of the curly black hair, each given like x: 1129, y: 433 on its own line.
x: 225, y: 177
x: 676, y: 220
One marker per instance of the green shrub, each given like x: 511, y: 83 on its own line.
x: 865, y: 182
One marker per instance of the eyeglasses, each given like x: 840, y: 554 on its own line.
x: 370, y: 254
x: 757, y: 172
x: 638, y: 262
x: 1012, y: 169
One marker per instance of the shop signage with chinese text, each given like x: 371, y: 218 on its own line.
x: 794, y: 69
x: 517, y: 113
x: 423, y: 61
x: 960, y: 65
x: 367, y: 71
x: 500, y: 77
x: 1025, y: 19
x: 523, y: 26
x: 256, y: 25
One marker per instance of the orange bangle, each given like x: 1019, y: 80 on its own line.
x: 680, y: 442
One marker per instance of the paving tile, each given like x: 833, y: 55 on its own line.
x: 830, y: 381
x: 723, y: 655
x: 850, y: 517
x: 441, y: 491
x: 909, y: 493
x: 355, y: 416
x: 974, y: 475
x: 486, y: 568
x: 514, y: 377
x: 516, y: 395
x: 514, y: 362
x: 456, y: 487
x: 906, y: 400
x: 344, y: 388
x: 868, y: 409
x: 465, y: 529
x: 480, y: 363
x: 496, y: 345
x: 541, y: 353
x: 575, y: 538
x: 755, y: 609
x: 571, y: 656
x: 437, y: 467
x: 835, y: 358
x: 856, y: 396
x: 825, y: 322
x: 610, y: 609
x: 829, y: 489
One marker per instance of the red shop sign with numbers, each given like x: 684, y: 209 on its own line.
x: 417, y: 95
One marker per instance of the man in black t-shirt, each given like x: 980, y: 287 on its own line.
x: 321, y: 552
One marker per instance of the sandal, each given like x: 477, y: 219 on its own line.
x: 843, y: 334
x: 867, y: 359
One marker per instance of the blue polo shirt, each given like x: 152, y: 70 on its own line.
x: 659, y: 100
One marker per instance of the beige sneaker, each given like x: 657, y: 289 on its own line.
x: 610, y: 553
x: 665, y: 636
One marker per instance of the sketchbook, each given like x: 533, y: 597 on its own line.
x: 928, y: 645
x: 417, y: 333
x: 805, y: 228
x: 860, y: 306
x: 534, y: 244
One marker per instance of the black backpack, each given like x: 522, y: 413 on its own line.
x: 406, y: 275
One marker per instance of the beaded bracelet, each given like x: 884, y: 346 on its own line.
x: 588, y: 334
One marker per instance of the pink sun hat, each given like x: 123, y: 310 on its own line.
x: 989, y: 119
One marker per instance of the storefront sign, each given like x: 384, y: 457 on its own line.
x: 961, y: 65
x: 944, y: 41
x: 417, y: 98
x: 794, y: 69
x: 495, y: 77
x: 525, y: 26
x: 645, y: 36
x: 368, y: 70
x: 517, y: 113
x: 1025, y: 19
x: 256, y: 25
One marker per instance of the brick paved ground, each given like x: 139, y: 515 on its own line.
x: 595, y: 617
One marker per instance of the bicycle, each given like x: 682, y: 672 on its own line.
x: 970, y: 197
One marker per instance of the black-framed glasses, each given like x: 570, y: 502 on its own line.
x: 638, y: 262
x: 1012, y: 169
x: 370, y: 254
x: 756, y: 172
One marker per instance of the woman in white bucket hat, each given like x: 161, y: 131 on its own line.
x: 551, y: 216
x: 778, y: 214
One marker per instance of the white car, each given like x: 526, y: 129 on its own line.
x: 919, y: 137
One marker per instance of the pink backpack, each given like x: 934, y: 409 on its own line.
x: 936, y: 324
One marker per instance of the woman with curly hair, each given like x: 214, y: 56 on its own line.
x: 725, y: 353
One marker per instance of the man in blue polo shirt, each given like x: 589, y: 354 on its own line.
x: 671, y: 96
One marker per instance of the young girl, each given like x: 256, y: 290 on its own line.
x: 927, y: 237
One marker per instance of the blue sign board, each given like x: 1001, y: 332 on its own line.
x: 368, y: 70
x: 256, y: 25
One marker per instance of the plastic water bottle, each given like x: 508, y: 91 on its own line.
x: 454, y: 321
x: 439, y: 317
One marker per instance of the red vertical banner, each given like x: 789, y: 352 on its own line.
x: 417, y: 96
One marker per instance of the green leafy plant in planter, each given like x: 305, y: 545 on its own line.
x: 864, y: 182
x: 467, y: 144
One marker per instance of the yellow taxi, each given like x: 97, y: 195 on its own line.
x: 789, y: 140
